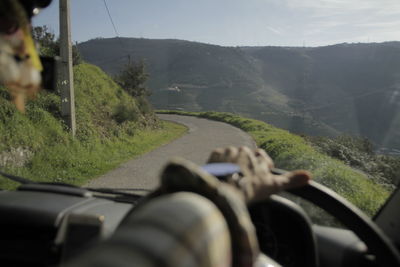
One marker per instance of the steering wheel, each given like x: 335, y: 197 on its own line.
x: 354, y: 219
x: 348, y: 214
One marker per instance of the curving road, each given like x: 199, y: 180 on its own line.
x: 202, y: 137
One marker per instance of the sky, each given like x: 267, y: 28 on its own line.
x: 234, y: 22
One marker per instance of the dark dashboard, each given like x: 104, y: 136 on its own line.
x: 284, y: 232
x: 46, y: 225
x: 39, y: 228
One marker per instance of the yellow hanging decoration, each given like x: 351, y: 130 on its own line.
x: 23, y: 80
x: 31, y: 50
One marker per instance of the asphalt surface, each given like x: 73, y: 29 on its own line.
x: 203, y: 136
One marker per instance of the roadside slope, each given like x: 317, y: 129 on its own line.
x: 111, y: 128
x: 291, y: 151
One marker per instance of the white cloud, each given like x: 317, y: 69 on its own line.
x: 386, y: 24
x: 344, y: 5
x: 275, y: 30
x: 345, y: 20
x: 346, y: 8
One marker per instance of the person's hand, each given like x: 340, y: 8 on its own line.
x: 257, y: 183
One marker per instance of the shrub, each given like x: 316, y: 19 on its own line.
x: 358, y: 152
x: 144, y: 105
x: 125, y: 111
x: 132, y: 79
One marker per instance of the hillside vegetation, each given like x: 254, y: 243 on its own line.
x: 322, y: 91
x: 111, y: 128
x: 291, y: 152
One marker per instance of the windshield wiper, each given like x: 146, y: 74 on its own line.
x: 25, y: 181
x: 117, y: 194
x: 118, y: 191
x: 17, y: 179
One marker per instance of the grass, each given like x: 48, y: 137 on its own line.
x: 37, y: 145
x: 291, y: 151
x: 75, y: 164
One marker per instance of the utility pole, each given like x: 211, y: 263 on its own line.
x: 66, y: 77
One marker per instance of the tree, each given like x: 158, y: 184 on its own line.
x: 49, y: 46
x: 133, y: 77
x: 76, y: 56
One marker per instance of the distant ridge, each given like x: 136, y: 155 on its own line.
x: 352, y: 88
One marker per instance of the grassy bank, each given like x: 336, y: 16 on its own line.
x: 112, y: 127
x: 291, y: 152
x: 74, y: 163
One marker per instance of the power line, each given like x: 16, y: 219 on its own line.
x: 113, y: 24
x: 109, y: 15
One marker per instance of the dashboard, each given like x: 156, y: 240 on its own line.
x: 284, y: 232
x: 46, y: 225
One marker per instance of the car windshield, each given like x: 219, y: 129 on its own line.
x: 315, y: 83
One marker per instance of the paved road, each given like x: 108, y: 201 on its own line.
x: 202, y: 137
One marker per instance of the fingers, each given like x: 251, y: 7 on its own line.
x: 258, y: 183
x: 272, y: 184
x: 231, y: 154
x: 216, y: 155
x: 263, y: 158
x: 296, y: 179
x: 250, y: 162
x: 243, y: 156
x: 228, y: 154
x: 247, y: 161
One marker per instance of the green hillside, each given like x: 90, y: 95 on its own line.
x: 216, y: 70
x: 351, y: 87
x: 345, y: 88
x: 37, y: 145
x: 208, y: 77
x: 292, y: 152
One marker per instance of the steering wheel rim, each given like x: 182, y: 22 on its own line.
x: 350, y: 216
x: 353, y: 218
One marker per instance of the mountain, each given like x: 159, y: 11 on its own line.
x: 344, y: 88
